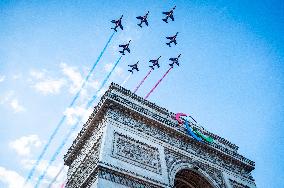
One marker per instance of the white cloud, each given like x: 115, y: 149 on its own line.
x: 37, y: 74
x: 119, y: 72
x: 74, y: 113
x: 2, y: 78
x: 6, y: 97
x: 108, y: 67
x: 44, y: 84
x: 16, y: 106
x: 12, y: 179
x: 16, y: 76
x: 51, y: 172
x: 9, y: 99
x: 94, y: 84
x: 73, y: 75
x: 49, y: 86
x: 23, y: 145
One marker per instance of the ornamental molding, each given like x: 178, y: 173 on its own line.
x: 137, y: 153
x: 136, y: 106
x: 181, y: 142
x: 130, y: 173
x: 86, y: 149
x: 236, y: 184
x: 86, y: 167
x: 124, y: 179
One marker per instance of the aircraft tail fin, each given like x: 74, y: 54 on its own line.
x: 140, y: 25
x: 151, y: 67
x: 165, y: 20
x: 131, y: 71
x: 114, y: 29
x: 169, y: 44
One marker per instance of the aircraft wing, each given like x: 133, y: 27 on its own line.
x: 152, y: 61
x: 146, y: 22
x: 172, y: 59
x: 128, y: 50
x: 169, y: 37
x: 158, y: 65
x: 139, y: 17
x: 137, y: 69
x: 113, y: 21
x: 175, y: 42
x: 121, y: 27
x: 122, y: 45
x: 172, y: 17
x: 166, y: 13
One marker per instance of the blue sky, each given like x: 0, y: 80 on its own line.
x: 231, y: 76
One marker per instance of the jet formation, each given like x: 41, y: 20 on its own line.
x: 134, y: 67
x: 125, y: 47
x: 143, y: 19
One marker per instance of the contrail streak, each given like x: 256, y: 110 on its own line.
x: 158, y: 83
x: 30, y: 175
x: 73, y: 127
x: 142, y: 81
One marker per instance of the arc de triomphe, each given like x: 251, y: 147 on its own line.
x: 131, y: 142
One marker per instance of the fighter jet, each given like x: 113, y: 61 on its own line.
x: 133, y: 67
x: 117, y: 24
x: 143, y: 19
x: 155, y: 62
x: 125, y: 47
x: 172, y: 39
x: 174, y: 60
x: 169, y: 15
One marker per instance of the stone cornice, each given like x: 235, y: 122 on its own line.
x: 149, y: 112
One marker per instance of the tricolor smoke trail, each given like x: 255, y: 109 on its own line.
x: 73, y: 127
x: 142, y: 81
x: 126, y: 79
x: 158, y: 83
x: 64, y: 117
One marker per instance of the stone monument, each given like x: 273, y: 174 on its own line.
x: 131, y: 142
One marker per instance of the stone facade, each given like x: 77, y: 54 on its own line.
x: 130, y: 142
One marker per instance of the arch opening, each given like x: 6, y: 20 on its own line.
x: 187, y: 178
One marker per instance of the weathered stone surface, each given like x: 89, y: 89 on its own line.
x: 131, y: 142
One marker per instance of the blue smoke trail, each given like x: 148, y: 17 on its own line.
x: 73, y: 128
x: 70, y: 105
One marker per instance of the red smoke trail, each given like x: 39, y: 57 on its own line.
x: 158, y: 83
x: 142, y: 81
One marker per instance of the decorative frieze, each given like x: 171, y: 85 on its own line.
x: 137, y: 153
x: 126, y: 98
x: 190, y: 146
